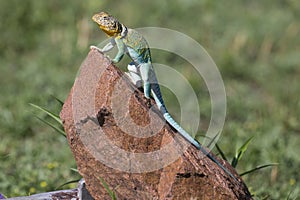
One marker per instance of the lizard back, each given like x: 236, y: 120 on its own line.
x: 137, y: 47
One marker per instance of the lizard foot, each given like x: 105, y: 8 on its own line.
x: 96, y: 48
x: 148, y: 103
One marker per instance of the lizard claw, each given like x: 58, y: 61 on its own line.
x: 92, y: 47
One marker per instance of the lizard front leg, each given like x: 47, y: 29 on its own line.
x: 121, y: 50
x: 106, y: 48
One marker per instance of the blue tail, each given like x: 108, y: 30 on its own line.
x: 160, y: 103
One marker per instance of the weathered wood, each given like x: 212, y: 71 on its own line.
x: 80, y: 193
x: 96, y: 119
x: 56, y: 195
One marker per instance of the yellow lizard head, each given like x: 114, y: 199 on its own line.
x: 107, y: 23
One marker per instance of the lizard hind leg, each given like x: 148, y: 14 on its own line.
x: 145, y: 74
x: 137, y: 76
x: 134, y: 75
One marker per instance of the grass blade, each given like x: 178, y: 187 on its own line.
x: 58, y: 100
x: 69, y: 182
x: 212, y: 140
x: 258, y: 168
x: 52, y: 115
x: 110, y: 192
x: 217, y: 146
x: 60, y: 131
x: 221, y: 152
x: 74, y: 170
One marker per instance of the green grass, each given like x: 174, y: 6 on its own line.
x: 256, y: 46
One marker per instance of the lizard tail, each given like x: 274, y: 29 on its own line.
x: 189, y: 138
x: 160, y: 103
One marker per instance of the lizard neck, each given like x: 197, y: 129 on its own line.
x: 124, y: 31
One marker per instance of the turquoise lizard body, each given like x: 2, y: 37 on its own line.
x: 141, y: 70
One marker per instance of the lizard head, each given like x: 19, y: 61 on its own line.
x: 107, y: 23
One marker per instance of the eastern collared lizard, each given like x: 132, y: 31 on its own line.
x: 140, y: 70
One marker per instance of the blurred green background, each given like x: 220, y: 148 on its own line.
x: 255, y: 44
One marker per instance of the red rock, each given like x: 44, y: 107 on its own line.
x: 107, y: 124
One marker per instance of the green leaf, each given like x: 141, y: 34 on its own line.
x: 110, y: 192
x: 239, y: 154
x: 52, y: 115
x: 258, y: 168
